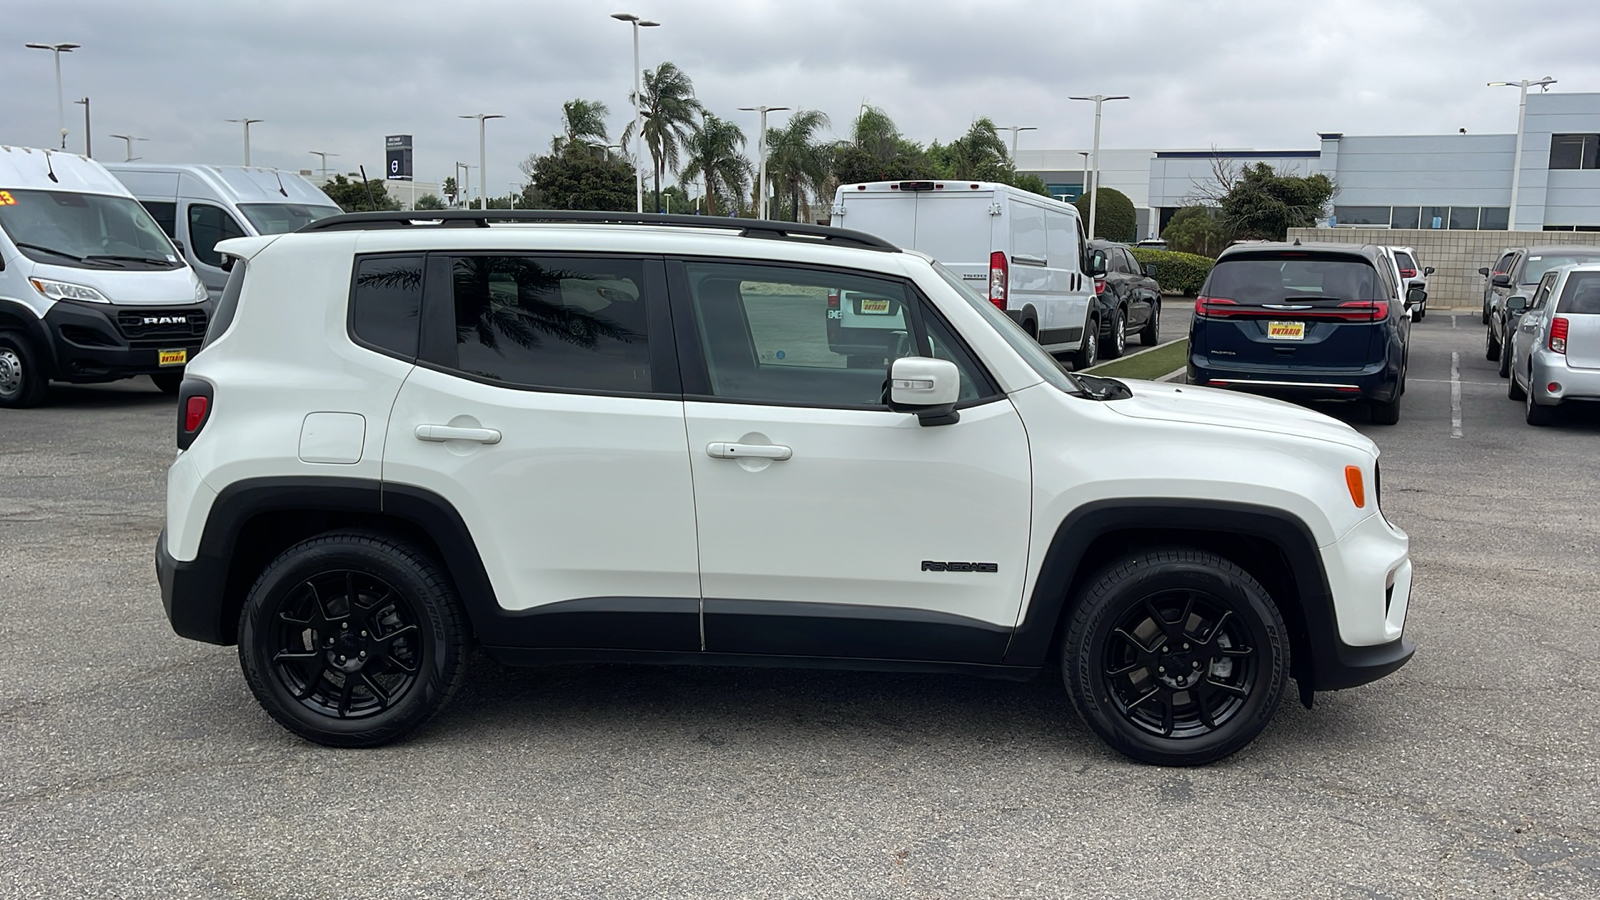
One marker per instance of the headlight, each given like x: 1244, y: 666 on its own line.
x: 200, y: 293
x: 61, y: 290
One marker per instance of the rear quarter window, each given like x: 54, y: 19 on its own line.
x: 386, y: 303
x: 1581, y: 296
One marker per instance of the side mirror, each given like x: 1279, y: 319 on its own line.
x: 1517, y: 304
x: 1097, y: 265
x: 1415, y: 296
x: 1500, y: 279
x: 227, y: 263
x: 927, y: 387
x: 1484, y: 271
x: 179, y: 244
x: 1427, y: 270
x: 1150, y: 269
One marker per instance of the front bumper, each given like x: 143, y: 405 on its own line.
x: 1549, y: 367
x: 1369, y: 576
x: 192, y: 593
x: 95, y: 342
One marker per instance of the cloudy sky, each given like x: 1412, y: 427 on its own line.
x: 337, y: 75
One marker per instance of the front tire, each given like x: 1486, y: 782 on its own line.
x: 1176, y: 657
x: 351, y: 639
x: 1491, y: 345
x: 22, y: 379
x: 1505, y: 358
x: 1088, y: 352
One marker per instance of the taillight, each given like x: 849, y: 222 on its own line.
x: 1361, y: 311
x: 1408, y: 273
x: 1099, y: 286
x: 1215, y: 307
x: 997, y: 279
x: 194, y: 410
x: 1558, y: 334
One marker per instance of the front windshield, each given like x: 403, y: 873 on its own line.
x: 282, y: 218
x: 1538, y: 265
x: 1026, y: 347
x: 85, y: 231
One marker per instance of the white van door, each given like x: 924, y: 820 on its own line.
x: 1064, y: 252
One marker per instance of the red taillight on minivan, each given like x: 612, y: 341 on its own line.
x: 195, y: 400
x: 1358, y: 311
x: 1558, y: 334
x: 997, y: 279
x: 1215, y: 307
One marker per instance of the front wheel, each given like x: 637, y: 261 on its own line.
x: 352, y: 639
x: 1176, y: 657
x: 22, y: 381
x: 1088, y: 352
x: 1505, y: 358
x: 1491, y: 344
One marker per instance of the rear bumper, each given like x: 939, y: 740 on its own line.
x: 191, y: 593
x: 90, y: 345
x: 1575, y: 384
x: 1378, y: 381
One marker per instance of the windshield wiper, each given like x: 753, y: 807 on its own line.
x: 115, y: 258
x: 53, y: 251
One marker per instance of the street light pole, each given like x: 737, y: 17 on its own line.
x: 761, y: 151
x: 483, y: 170
x: 61, y: 107
x: 1094, y: 198
x: 129, y: 139
x: 323, y: 156
x: 1085, y: 155
x: 88, y: 148
x: 1014, y: 129
x: 247, y: 122
x: 638, y: 105
x: 1522, y: 117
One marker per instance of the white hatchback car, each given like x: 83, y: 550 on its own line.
x: 575, y: 437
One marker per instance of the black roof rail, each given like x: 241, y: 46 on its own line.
x: 481, y: 218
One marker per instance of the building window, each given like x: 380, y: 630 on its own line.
x: 1575, y: 151
x: 1435, y: 216
x: 1495, y: 218
x: 1404, y: 217
x: 1464, y: 218
x: 1361, y: 215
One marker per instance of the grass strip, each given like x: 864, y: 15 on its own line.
x: 1150, y: 365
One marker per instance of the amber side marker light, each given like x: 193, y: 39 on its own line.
x: 1358, y: 488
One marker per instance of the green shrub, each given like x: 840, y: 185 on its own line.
x: 1182, y: 273
x: 1114, y: 217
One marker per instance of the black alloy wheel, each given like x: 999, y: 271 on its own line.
x: 1176, y: 657
x: 352, y: 640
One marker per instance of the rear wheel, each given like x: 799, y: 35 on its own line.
x: 22, y: 380
x: 1534, y: 413
x: 1505, y: 360
x: 1118, y: 334
x: 1088, y: 352
x: 1176, y: 657
x: 352, y: 640
x: 1150, y: 334
x: 1386, y: 413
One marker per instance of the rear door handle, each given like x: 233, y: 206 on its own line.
x: 442, y: 433
x: 748, y: 451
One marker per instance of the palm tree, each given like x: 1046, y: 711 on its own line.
x: 797, y: 160
x: 980, y: 154
x: 669, y: 109
x: 876, y: 133
x: 582, y: 122
x: 711, y: 152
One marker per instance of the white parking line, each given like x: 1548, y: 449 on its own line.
x: 1455, y: 391
x: 1452, y: 321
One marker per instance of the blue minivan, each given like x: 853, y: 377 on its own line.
x: 1305, y: 321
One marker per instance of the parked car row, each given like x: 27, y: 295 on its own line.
x: 1549, y: 339
x: 106, y: 275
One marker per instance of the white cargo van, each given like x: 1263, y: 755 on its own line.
x: 199, y: 205
x: 91, y: 290
x: 1023, y: 251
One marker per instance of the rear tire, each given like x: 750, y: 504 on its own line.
x: 1385, y: 413
x: 22, y: 379
x: 1088, y: 352
x: 1175, y: 657
x: 1119, y: 334
x: 352, y: 639
x: 1505, y: 361
x: 1150, y: 334
x: 1534, y: 414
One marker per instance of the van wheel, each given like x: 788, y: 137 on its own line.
x: 1088, y: 352
x: 168, y: 382
x: 1150, y: 334
x: 1118, y: 334
x: 1176, y: 657
x: 352, y: 639
x: 22, y: 381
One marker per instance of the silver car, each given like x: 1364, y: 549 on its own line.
x: 1556, y: 346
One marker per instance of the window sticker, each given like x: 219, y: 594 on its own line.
x: 6, y: 199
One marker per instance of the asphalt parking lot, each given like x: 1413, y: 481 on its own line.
x: 136, y: 764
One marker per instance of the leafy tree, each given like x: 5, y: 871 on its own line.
x: 675, y: 200
x: 1115, y: 219
x: 450, y: 189
x: 1033, y: 184
x: 876, y: 151
x: 979, y: 155
x: 429, y: 201
x: 712, y: 153
x: 575, y: 179
x: 353, y: 196
x: 1265, y: 205
x: 583, y: 123
x: 1196, y: 229
x: 669, y: 110
x: 797, y: 163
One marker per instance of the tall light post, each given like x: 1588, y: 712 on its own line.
x: 483, y: 171
x: 61, y: 107
x: 1085, y: 155
x: 1094, y: 198
x: 322, y: 155
x: 1522, y: 117
x: 638, y: 105
x: 1014, y: 129
x: 516, y: 188
x: 129, y: 139
x: 466, y: 183
x: 761, y: 150
x: 246, y: 122
x: 88, y: 147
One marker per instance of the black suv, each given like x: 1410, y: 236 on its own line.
x: 1305, y: 320
x: 1126, y: 297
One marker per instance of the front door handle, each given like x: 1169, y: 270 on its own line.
x: 442, y: 433
x: 748, y: 451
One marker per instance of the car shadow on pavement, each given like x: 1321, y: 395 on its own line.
x: 136, y: 392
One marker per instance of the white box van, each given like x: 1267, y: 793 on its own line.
x: 199, y: 205
x: 91, y: 289
x: 1024, y: 251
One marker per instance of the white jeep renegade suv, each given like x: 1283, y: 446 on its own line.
x: 586, y: 437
